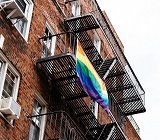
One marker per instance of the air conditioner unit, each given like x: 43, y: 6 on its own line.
x: 14, y: 8
x: 10, y: 108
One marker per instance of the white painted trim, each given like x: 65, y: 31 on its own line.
x: 29, y: 17
x: 8, y: 65
x: 53, y: 40
x: 1, y: 40
x: 96, y: 110
x: 76, y: 8
x: 44, y: 104
x: 27, y: 22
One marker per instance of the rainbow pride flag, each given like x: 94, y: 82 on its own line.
x: 89, y: 79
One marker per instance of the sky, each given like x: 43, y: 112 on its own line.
x: 137, y: 23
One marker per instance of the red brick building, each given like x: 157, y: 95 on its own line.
x: 40, y: 98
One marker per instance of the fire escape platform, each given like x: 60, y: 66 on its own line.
x: 121, y: 87
x: 61, y: 71
x: 83, y: 23
x: 119, y: 83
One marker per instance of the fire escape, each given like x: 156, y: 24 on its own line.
x: 122, y: 85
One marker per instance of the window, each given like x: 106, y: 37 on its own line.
x: 49, y: 42
x: 97, y: 41
x: 23, y: 24
x: 94, y: 108
x: 38, y: 123
x: 76, y: 8
x: 10, y: 78
x: 9, y: 84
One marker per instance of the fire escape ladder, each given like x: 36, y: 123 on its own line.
x: 111, y: 132
x: 105, y: 67
x: 108, y: 132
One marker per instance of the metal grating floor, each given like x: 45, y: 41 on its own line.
x: 83, y: 23
x: 121, y: 87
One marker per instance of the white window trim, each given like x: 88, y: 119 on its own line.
x: 28, y: 17
x: 76, y: 9
x: 96, y: 110
x: 53, y: 38
x: 40, y: 99
x: 1, y: 40
x: 7, y: 64
x: 53, y: 41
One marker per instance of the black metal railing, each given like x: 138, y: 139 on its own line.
x: 60, y: 126
x: 56, y: 44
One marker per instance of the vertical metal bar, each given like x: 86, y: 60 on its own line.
x: 50, y: 126
x: 65, y: 41
x: 55, y: 124
x: 61, y: 119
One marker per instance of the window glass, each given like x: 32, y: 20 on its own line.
x: 23, y: 23
x: 49, y: 42
x: 8, y: 84
x: 75, y: 8
x: 36, y: 124
x: 20, y: 24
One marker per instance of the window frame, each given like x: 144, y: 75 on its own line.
x: 43, y: 120
x: 26, y: 20
x: 5, y: 66
x: 50, y: 44
x: 76, y: 9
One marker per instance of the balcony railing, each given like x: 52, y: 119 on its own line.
x: 62, y: 43
x: 60, y: 126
